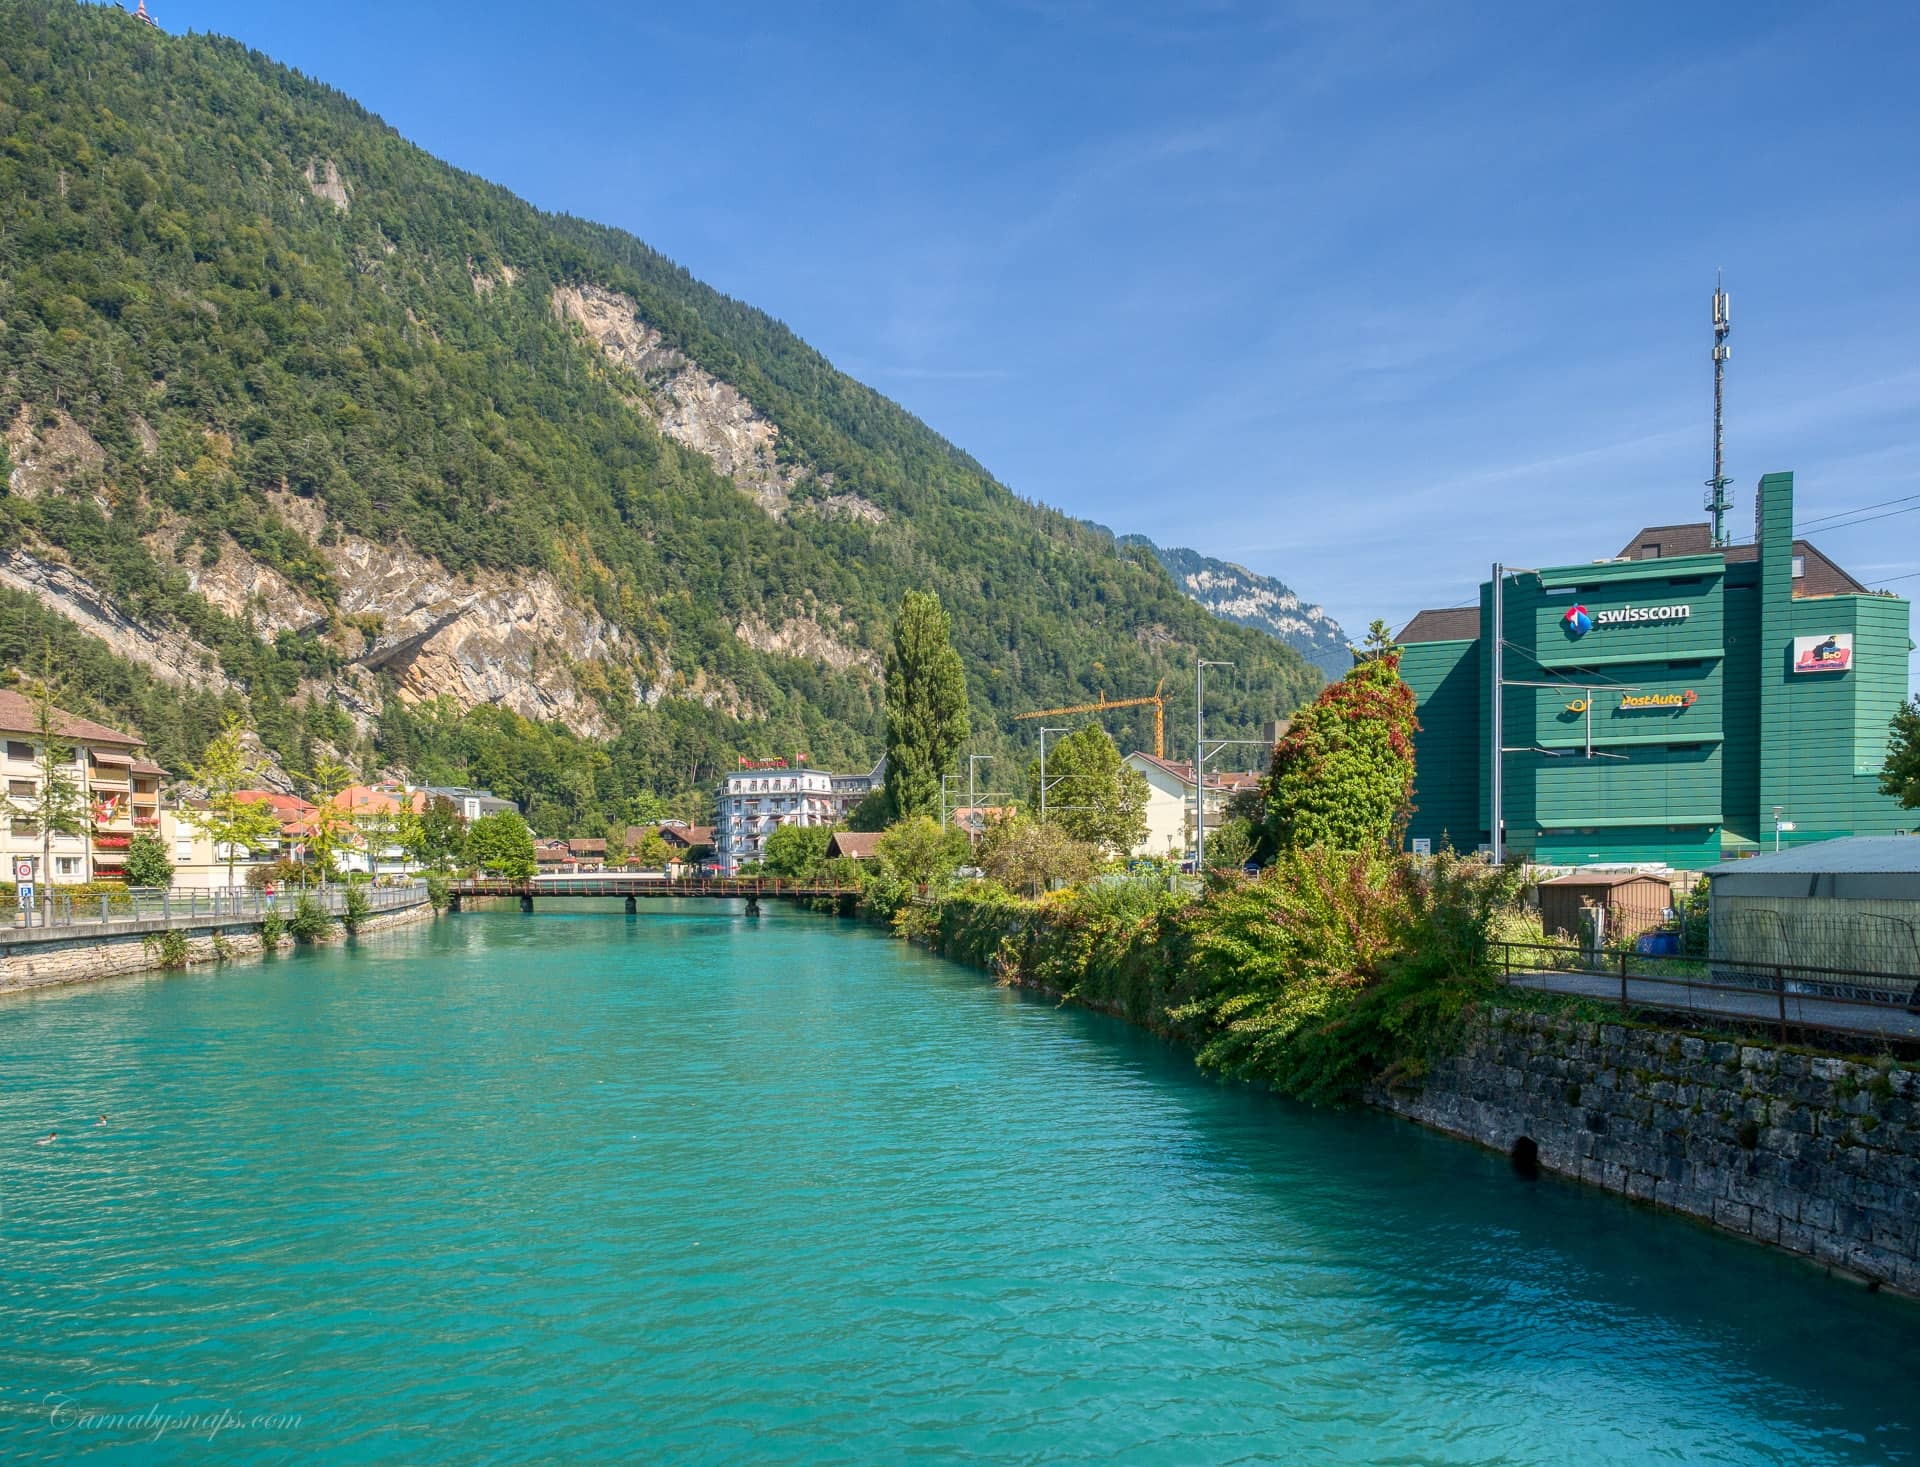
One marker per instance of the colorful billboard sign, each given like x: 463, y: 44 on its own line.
x: 1823, y: 654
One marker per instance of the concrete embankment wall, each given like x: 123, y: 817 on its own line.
x: 81, y: 955
x: 1814, y: 1154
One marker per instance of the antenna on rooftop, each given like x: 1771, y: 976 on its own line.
x: 1717, y: 501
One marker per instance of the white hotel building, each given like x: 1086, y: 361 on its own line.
x: 756, y: 800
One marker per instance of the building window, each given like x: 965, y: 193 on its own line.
x: 22, y: 788
x: 66, y: 865
x: 1650, y: 550
x: 1799, y: 567
x: 18, y: 750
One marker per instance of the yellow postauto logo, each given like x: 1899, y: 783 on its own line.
x: 1630, y: 701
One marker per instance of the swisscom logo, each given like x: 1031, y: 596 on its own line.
x: 1579, y: 622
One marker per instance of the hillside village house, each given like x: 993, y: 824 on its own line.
x: 120, y: 781
x: 1170, y: 803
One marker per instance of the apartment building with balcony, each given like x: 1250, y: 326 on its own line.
x: 121, y: 785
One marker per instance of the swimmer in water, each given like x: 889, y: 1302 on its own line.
x: 48, y: 1139
x: 101, y: 1122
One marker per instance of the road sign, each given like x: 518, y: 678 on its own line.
x: 26, y: 893
x: 23, y: 870
x: 1422, y: 845
x: 1783, y: 825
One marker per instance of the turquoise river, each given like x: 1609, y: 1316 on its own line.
x: 694, y: 1187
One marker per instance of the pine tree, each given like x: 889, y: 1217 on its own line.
x: 926, y: 705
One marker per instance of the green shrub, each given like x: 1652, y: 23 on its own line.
x: 273, y: 927
x: 167, y: 949
x: 439, y: 890
x: 310, y: 921
x: 358, y: 909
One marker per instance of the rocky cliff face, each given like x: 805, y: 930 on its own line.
x: 1252, y: 600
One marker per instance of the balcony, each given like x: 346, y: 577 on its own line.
x: 106, y: 840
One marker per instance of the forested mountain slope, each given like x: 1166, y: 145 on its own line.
x: 296, y: 416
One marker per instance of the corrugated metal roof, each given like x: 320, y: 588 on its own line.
x: 1852, y: 853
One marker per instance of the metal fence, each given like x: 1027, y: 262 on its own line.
x: 187, y: 906
x: 1827, y: 996
x: 1862, y: 941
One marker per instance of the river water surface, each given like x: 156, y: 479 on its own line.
x: 692, y: 1187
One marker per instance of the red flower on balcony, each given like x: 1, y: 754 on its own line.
x: 109, y: 842
x: 146, y: 822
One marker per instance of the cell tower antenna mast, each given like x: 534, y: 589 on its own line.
x: 1717, y: 502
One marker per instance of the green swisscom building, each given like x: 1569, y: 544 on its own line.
x: 1726, y: 683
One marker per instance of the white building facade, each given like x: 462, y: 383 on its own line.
x: 1170, y: 803
x: 756, y: 801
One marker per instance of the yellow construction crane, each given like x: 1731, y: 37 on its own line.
x: 1159, y: 713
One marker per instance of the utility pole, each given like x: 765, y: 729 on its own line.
x: 1043, y: 770
x: 973, y: 797
x: 1497, y: 639
x: 1200, y: 666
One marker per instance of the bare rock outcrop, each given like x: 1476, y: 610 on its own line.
x: 169, y: 654
x: 49, y: 457
x: 243, y: 588
x: 485, y: 638
x: 323, y: 177
x: 691, y: 405
x: 805, y: 637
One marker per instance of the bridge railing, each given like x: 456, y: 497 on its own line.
x: 184, y: 906
x: 612, y: 884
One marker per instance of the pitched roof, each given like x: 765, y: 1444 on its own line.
x: 587, y: 845
x: 855, y: 845
x: 1447, y: 624
x: 1822, y: 577
x: 1182, y: 770
x: 687, y: 835
x: 17, y: 716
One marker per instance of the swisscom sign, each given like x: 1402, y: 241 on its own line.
x: 1579, y: 621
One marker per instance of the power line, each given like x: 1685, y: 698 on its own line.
x: 1840, y: 514
x: 1866, y: 519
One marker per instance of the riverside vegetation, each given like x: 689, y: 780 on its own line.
x: 1344, y: 962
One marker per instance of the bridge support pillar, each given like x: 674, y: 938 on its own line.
x: 753, y: 906
x: 633, y: 904
x: 526, y: 901
x: 453, y: 902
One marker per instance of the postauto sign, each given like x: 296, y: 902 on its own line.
x: 1578, y: 621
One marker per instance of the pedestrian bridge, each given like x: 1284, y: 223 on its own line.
x: 635, y: 889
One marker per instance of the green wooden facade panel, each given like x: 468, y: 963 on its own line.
x: 1446, y: 791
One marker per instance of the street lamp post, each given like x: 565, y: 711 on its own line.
x: 1200, y: 666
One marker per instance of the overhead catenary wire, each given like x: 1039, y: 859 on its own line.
x: 1840, y: 514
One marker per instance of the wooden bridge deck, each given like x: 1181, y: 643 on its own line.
x: 613, y: 884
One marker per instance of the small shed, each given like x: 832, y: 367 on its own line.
x: 1634, y: 901
x: 1850, y: 905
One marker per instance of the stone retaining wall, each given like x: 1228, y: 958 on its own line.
x: 41, y: 963
x: 1814, y: 1154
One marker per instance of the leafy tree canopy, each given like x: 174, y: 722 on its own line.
x: 1343, y: 775
x: 1091, y: 793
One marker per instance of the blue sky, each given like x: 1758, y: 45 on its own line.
x: 1361, y: 296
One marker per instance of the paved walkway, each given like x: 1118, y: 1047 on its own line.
x: 1745, y: 1004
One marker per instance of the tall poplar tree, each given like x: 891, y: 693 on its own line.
x: 926, y: 705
